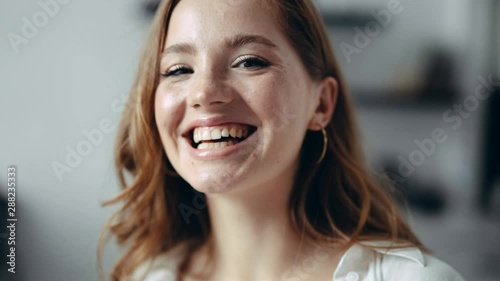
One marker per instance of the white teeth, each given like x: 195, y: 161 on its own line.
x: 216, y: 135
x: 203, y: 145
x: 212, y: 145
x: 206, y: 135
x: 196, y: 137
x: 233, y: 132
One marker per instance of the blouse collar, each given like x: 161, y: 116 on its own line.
x: 359, y: 257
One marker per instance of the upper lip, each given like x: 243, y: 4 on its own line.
x: 211, y: 121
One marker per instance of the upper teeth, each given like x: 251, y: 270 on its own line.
x: 200, y: 134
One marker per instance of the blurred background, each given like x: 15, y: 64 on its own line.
x: 424, y: 76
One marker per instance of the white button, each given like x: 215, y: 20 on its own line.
x: 352, y: 276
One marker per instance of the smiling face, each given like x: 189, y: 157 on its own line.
x: 234, y: 100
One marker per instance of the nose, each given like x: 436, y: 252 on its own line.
x: 211, y: 92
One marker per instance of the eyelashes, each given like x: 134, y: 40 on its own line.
x: 250, y: 62
x: 244, y: 62
x: 177, y: 70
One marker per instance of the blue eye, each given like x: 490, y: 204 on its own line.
x: 251, y: 62
x: 177, y: 70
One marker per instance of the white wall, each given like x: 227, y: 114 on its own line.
x: 63, y: 81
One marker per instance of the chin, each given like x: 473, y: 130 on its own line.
x: 212, y: 183
x: 211, y: 187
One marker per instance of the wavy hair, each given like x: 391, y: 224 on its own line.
x: 337, y: 200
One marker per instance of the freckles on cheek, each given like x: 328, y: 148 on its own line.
x: 269, y: 93
x: 278, y: 100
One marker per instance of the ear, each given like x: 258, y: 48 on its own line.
x: 325, y: 106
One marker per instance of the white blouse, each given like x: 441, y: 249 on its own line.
x: 359, y: 263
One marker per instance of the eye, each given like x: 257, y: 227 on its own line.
x: 252, y: 62
x: 177, y: 70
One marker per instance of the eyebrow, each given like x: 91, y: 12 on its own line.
x: 231, y: 43
x: 243, y: 39
x: 182, y: 48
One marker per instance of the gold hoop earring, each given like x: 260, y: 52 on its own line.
x: 325, y: 143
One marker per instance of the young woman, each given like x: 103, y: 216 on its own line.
x: 239, y: 157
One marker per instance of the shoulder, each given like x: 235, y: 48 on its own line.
x: 160, y: 268
x: 373, y: 262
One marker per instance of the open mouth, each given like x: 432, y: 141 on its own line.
x: 220, y: 136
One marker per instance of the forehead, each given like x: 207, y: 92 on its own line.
x: 204, y: 22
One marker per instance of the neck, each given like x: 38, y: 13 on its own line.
x: 252, y: 235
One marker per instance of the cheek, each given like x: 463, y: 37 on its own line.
x: 168, y: 112
x: 280, y: 107
x: 280, y: 104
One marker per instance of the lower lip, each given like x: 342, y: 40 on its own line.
x: 218, y: 153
